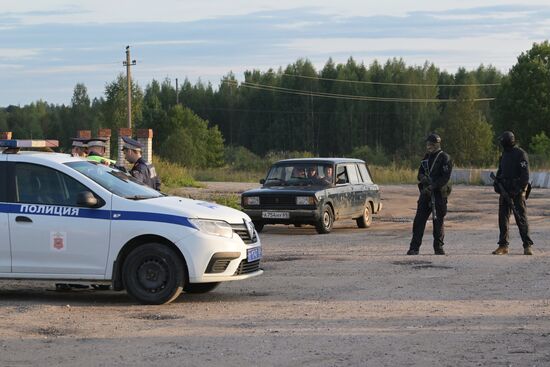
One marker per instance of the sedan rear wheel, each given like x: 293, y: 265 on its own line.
x: 365, y: 220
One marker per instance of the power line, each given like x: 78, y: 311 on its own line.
x: 348, y: 96
x: 385, y: 83
x: 286, y: 112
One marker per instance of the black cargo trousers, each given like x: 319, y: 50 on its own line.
x: 504, y: 211
x: 423, y: 212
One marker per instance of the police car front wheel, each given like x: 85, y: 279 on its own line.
x: 153, y: 274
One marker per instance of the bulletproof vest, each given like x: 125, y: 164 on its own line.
x: 513, y: 169
x: 439, y: 166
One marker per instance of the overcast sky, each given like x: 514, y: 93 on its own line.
x: 46, y: 47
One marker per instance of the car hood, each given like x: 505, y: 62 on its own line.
x: 286, y: 190
x: 190, y: 208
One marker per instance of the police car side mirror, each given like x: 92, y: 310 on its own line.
x: 87, y: 199
x: 262, y: 181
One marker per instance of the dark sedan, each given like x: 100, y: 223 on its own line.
x: 316, y: 191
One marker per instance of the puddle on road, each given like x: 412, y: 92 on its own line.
x: 50, y: 331
x: 431, y: 266
x: 394, y: 219
x: 421, y: 264
x: 411, y: 262
x: 156, y: 317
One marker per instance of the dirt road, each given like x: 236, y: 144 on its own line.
x: 349, y: 298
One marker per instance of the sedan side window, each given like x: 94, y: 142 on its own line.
x: 341, y: 175
x: 35, y: 184
x: 353, y: 174
x: 365, y: 173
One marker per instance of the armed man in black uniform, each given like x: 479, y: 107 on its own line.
x: 142, y: 171
x: 513, y: 176
x: 433, y: 176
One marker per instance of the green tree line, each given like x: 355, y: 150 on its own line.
x: 380, y: 111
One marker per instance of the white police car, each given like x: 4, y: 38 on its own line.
x: 64, y: 218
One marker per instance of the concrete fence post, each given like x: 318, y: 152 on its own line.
x: 106, y: 133
x: 145, y: 137
x: 123, y: 131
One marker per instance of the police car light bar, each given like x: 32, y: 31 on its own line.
x: 16, y: 143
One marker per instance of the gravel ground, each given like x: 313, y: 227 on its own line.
x: 347, y: 298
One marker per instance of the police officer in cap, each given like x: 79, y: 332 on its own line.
x: 142, y: 170
x: 513, y: 174
x: 96, y: 151
x: 433, y: 176
x: 78, y: 148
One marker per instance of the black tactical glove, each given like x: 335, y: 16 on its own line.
x: 424, y: 180
x: 496, y: 187
x: 427, y: 190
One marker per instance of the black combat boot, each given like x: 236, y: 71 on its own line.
x: 439, y: 250
x: 412, y: 251
x: 501, y: 250
x: 527, y: 250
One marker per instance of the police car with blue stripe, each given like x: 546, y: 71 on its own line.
x: 65, y: 218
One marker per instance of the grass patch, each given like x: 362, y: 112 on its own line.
x: 230, y: 200
x: 393, y: 174
x: 381, y: 174
x: 173, y: 175
x: 227, y: 174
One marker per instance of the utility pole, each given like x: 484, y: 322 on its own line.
x: 177, y: 96
x: 127, y: 63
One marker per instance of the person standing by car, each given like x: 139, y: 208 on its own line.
x: 142, y: 171
x: 513, y: 176
x: 433, y: 176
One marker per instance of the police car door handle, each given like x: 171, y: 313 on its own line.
x: 22, y: 219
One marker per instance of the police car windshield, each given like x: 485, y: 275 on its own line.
x: 114, y: 180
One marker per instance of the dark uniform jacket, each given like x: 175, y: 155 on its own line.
x: 513, y: 170
x: 439, y: 167
x: 145, y: 172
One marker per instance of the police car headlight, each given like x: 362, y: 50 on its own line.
x: 251, y: 200
x: 213, y: 227
x: 305, y: 200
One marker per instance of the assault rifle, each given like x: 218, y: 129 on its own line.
x: 505, y: 194
x: 432, y: 195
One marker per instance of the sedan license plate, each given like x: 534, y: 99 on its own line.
x: 253, y: 254
x: 276, y: 215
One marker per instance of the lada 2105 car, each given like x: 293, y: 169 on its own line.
x: 68, y: 219
x: 316, y: 191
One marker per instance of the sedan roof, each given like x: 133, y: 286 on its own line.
x: 320, y: 160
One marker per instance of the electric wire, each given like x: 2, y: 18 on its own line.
x: 270, y: 88
x: 384, y: 83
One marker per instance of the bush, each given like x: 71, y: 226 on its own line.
x: 274, y: 156
x: 172, y: 174
x: 371, y: 156
x: 540, y: 145
x: 240, y: 158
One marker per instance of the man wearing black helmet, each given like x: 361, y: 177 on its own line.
x: 513, y: 176
x: 433, y: 176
